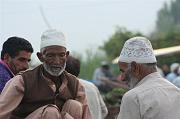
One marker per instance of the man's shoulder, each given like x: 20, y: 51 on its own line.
x: 87, y: 83
x: 70, y: 77
x: 3, y: 66
x: 28, y: 71
x: 136, y: 91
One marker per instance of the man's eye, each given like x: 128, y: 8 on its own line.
x: 49, y: 56
x: 62, y: 55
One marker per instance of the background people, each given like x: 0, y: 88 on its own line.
x: 96, y: 103
x: 173, y: 74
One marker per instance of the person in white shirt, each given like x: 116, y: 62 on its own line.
x: 150, y: 95
x: 96, y: 103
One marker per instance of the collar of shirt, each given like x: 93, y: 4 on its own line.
x: 52, y: 85
x: 7, y: 67
x: 149, y: 77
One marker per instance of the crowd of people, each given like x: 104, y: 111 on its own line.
x: 53, y: 90
x: 174, y: 75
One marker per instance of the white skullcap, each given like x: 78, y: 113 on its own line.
x: 138, y: 49
x: 174, y: 66
x: 52, y: 37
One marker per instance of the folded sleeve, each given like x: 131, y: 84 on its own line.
x: 11, y: 96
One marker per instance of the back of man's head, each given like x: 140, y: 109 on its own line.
x: 73, y: 66
x: 13, y: 45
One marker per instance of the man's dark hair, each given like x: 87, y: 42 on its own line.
x: 73, y: 66
x: 14, y: 45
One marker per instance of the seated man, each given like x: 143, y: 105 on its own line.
x: 96, y: 104
x: 47, y: 91
x: 15, y: 55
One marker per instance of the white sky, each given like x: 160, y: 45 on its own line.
x: 86, y: 23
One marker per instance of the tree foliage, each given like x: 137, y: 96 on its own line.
x: 90, y: 63
x: 168, y: 18
x: 113, y: 46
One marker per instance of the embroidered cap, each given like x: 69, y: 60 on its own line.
x: 52, y: 37
x: 138, y: 49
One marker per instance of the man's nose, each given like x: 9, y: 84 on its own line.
x: 123, y: 77
x: 26, y: 66
x: 57, y: 60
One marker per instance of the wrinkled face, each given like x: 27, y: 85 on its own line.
x: 54, y: 59
x: 127, y: 74
x: 19, y: 62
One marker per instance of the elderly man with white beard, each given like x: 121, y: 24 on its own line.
x: 47, y: 91
x: 150, y: 95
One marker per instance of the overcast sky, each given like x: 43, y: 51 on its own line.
x: 86, y: 23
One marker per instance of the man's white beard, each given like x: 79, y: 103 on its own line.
x: 53, y: 70
x: 133, y: 82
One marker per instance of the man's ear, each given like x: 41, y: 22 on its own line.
x: 67, y: 54
x: 40, y: 56
x: 7, y: 57
x: 135, y: 68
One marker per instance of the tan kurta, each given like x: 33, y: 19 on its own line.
x: 13, y: 93
x: 153, y: 98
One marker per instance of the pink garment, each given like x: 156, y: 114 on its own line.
x: 52, y: 111
x: 13, y: 93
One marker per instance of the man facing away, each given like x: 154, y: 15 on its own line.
x: 96, y: 104
x: 151, y: 96
x: 15, y: 55
x: 47, y: 91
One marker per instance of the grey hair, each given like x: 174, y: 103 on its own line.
x: 151, y: 66
x: 42, y: 50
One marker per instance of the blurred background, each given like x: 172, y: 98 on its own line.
x: 96, y: 29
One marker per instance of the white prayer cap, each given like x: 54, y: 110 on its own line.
x: 138, y: 49
x: 174, y: 66
x: 52, y: 37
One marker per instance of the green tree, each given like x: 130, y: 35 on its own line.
x: 90, y: 63
x: 168, y: 19
x: 114, y: 44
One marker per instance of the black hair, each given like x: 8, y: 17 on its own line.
x: 14, y: 45
x: 73, y: 66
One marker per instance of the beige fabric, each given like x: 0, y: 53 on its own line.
x: 52, y: 111
x: 76, y: 111
x: 45, y: 112
x: 96, y: 104
x: 13, y: 93
x: 153, y: 98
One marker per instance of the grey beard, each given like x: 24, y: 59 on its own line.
x: 133, y: 82
x: 54, y: 71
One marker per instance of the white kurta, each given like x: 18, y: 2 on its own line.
x: 153, y: 98
x: 95, y: 102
